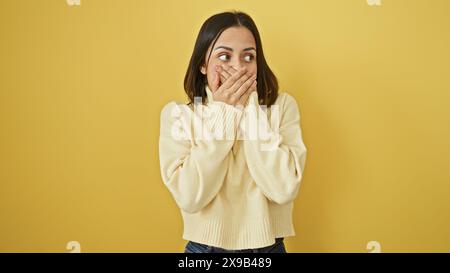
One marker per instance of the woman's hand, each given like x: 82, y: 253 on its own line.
x: 236, y: 87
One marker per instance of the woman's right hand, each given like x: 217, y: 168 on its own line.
x: 236, y: 89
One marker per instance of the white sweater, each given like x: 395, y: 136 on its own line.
x: 234, y: 192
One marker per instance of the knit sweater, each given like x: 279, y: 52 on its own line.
x: 235, y: 186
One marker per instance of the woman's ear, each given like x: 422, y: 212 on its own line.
x: 203, y: 69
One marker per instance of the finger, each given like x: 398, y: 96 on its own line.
x: 244, y: 99
x: 224, y: 72
x: 229, y: 69
x: 222, y: 78
x: 233, y: 78
x: 216, y: 82
x: 223, y: 75
x: 239, y: 82
x: 248, y: 84
x: 217, y: 76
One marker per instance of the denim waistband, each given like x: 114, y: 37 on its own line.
x: 278, y: 246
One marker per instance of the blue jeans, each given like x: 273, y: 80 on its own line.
x: 277, y: 247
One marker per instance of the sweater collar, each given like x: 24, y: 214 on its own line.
x: 209, y: 93
x: 253, y: 96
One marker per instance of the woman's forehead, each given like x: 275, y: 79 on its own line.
x: 236, y: 38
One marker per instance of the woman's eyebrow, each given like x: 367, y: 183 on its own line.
x: 224, y: 47
x: 230, y: 49
x: 249, y: 48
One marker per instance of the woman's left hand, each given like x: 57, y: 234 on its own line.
x: 227, y: 71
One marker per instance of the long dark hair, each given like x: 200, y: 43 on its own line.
x: 194, y: 80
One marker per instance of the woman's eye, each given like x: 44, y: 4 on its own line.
x: 248, y: 58
x: 223, y: 57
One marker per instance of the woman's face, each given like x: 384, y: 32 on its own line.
x: 236, y: 48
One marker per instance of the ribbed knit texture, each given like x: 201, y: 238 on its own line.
x: 233, y: 193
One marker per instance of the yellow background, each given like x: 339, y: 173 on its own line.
x: 82, y: 88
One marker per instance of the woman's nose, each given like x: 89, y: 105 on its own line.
x: 237, y: 63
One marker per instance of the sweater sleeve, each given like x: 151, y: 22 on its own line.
x: 277, y: 162
x: 194, y: 150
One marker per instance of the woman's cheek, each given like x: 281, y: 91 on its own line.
x: 211, y: 75
x: 251, y: 68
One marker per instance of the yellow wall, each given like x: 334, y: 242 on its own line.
x: 82, y: 88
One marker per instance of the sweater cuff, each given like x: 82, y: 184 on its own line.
x: 262, y: 136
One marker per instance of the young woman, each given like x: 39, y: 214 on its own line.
x: 235, y: 188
